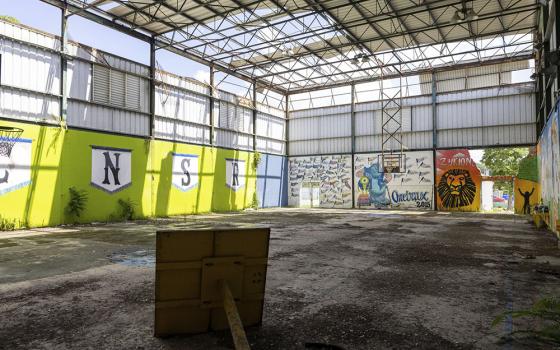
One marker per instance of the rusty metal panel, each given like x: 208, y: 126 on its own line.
x: 190, y: 268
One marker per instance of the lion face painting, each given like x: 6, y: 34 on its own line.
x: 456, y: 188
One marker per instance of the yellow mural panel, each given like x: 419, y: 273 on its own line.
x: 527, y: 195
x: 159, y: 178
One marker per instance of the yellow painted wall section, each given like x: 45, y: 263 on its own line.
x: 526, y: 189
x: 39, y: 203
x: 62, y: 158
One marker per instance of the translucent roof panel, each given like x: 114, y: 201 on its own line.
x: 301, y: 45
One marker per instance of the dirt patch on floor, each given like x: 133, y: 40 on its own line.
x: 355, y: 279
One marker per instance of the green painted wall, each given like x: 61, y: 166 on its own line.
x: 61, y: 159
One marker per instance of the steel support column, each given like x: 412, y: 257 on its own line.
x: 254, y: 116
x: 63, y: 64
x: 434, y: 135
x: 152, y: 86
x: 353, y: 138
x: 287, y: 126
x: 211, y: 112
x: 557, y: 45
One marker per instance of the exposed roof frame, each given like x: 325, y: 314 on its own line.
x: 215, y: 33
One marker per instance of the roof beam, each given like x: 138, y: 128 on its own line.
x: 416, y: 72
x: 124, y: 28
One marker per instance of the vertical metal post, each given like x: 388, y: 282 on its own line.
x: 434, y: 136
x: 545, y: 85
x: 557, y: 46
x: 211, y: 105
x: 152, y: 85
x: 353, y: 139
x: 254, y: 116
x: 287, y: 126
x: 63, y: 63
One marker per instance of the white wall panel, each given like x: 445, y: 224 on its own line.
x: 107, y: 59
x: 422, y: 118
x: 270, y: 146
x: 29, y: 67
x: 27, y: 105
x: 79, y: 80
x: 233, y: 117
x: 96, y: 117
x: 366, y: 123
x: 231, y: 139
x: 271, y: 110
x: 270, y: 126
x: 183, y: 82
x: 460, y: 114
x: 460, y: 137
x: 182, y: 105
x: 177, y: 130
x: 368, y: 143
x: 29, y: 35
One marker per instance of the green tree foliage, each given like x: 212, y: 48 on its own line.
x: 503, y: 161
x: 9, y: 19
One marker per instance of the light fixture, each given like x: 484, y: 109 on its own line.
x: 458, y: 17
x: 461, y: 15
x: 471, y: 15
x: 360, y: 58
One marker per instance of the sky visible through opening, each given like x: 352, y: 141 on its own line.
x: 37, y: 14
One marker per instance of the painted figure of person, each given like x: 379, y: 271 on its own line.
x: 526, y: 196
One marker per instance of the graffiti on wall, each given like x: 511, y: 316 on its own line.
x: 458, y: 181
x: 526, y: 184
x: 15, y: 165
x: 332, y: 174
x: 111, y: 168
x: 548, y: 151
x: 412, y: 188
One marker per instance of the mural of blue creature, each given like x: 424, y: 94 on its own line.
x: 377, y: 186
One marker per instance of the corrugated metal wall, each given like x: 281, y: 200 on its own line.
x: 491, y: 116
x: 110, y: 93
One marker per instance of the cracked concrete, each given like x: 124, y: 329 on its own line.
x: 357, y: 279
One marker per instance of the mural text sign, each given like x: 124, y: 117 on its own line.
x: 185, y: 171
x: 110, y: 168
x: 235, y: 173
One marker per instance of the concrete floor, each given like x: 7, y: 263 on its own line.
x: 357, y: 279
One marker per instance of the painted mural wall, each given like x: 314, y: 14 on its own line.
x: 320, y: 181
x: 413, y: 188
x: 159, y: 178
x: 526, y: 184
x: 548, y: 150
x: 458, y: 181
x: 272, y: 181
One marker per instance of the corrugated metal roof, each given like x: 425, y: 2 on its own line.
x: 301, y: 45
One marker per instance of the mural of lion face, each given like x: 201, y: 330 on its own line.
x: 456, y: 188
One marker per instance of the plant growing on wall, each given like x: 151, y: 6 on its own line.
x: 7, y: 224
x: 545, y: 314
x: 256, y: 160
x: 77, y: 202
x: 255, y: 201
x: 126, y: 209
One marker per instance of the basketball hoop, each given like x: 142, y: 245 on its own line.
x: 392, y: 163
x: 8, y: 138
